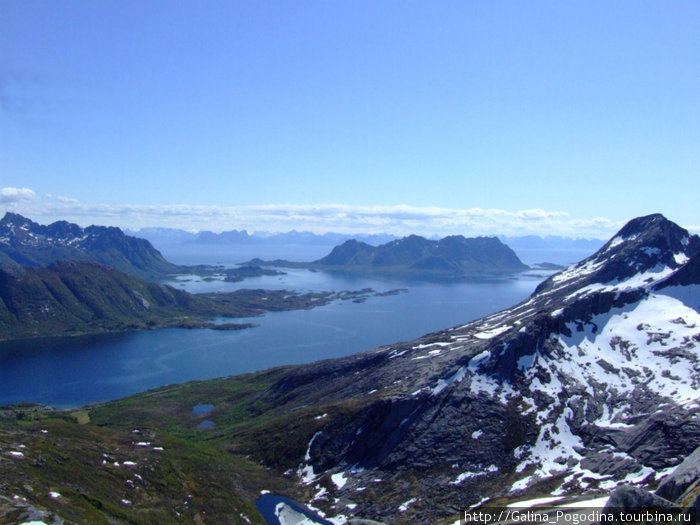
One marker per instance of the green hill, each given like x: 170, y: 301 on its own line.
x: 454, y: 255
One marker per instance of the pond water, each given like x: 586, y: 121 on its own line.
x: 278, y: 510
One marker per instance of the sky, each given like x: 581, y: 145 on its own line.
x: 473, y: 117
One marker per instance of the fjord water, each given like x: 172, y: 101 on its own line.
x: 73, y: 371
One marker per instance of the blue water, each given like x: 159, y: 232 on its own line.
x: 69, y: 372
x: 267, y: 504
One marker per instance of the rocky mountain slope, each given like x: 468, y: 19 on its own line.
x: 590, y: 383
x: 26, y: 243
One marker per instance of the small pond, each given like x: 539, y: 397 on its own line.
x: 278, y: 510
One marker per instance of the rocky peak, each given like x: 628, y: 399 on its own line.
x: 350, y: 252
x: 14, y: 219
x: 27, y: 243
x: 645, y: 251
x: 15, y: 228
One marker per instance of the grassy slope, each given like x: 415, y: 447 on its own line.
x: 199, y: 476
x: 71, y: 297
x: 256, y: 444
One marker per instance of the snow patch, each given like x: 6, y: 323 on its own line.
x: 526, y: 504
x: 579, y: 270
x: 306, y: 471
x: 470, y: 474
x: 493, y: 332
x: 444, y: 383
x: 339, y: 479
x: 597, y: 503
x: 526, y: 361
x: 404, y: 506
x: 680, y: 258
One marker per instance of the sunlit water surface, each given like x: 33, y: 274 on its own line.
x: 66, y: 372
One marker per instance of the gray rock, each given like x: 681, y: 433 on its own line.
x: 682, y: 479
x: 695, y: 506
x: 626, y: 497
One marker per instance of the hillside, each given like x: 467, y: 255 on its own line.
x: 26, y: 243
x: 76, y: 297
x: 589, y: 384
x: 452, y: 255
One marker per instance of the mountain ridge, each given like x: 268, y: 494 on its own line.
x: 27, y: 243
x: 532, y: 249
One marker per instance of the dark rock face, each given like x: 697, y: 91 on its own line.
x: 27, y: 243
x: 627, y: 498
x: 683, y: 479
x: 589, y: 384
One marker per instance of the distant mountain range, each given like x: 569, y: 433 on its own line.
x: 26, y: 243
x: 528, y: 245
x: 169, y: 236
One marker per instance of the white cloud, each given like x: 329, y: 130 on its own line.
x: 11, y: 195
x: 539, y: 214
x: 396, y: 219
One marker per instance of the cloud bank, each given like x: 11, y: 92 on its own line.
x: 394, y: 219
x: 14, y: 195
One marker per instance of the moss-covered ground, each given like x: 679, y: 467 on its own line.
x: 142, y: 459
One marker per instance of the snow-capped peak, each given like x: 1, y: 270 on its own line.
x: 645, y: 251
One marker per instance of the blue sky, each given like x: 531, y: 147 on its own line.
x: 428, y: 117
